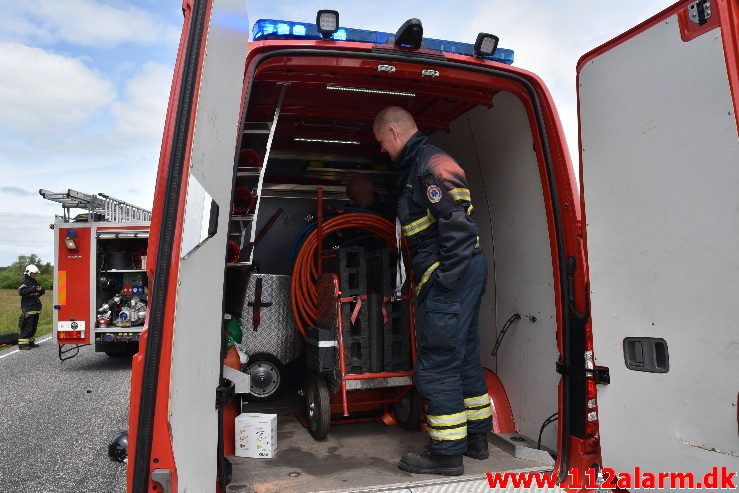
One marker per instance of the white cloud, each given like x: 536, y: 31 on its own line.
x: 85, y: 23
x: 141, y: 115
x: 43, y: 91
x: 30, y: 233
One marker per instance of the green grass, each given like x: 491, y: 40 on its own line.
x: 10, y: 308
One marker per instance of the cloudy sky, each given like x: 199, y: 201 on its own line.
x: 84, y: 83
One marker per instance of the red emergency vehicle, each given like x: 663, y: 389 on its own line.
x: 100, y: 283
x: 621, y: 327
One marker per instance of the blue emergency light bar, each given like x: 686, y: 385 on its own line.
x: 266, y: 29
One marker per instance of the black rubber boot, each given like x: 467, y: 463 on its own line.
x: 426, y: 462
x: 477, y: 446
x: 33, y: 344
x: 24, y: 347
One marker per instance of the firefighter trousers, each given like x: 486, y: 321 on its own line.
x: 28, y: 324
x: 448, y: 369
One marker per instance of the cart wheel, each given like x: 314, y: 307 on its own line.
x: 408, y: 411
x: 317, y: 407
x: 265, y: 372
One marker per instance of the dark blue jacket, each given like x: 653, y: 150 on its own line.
x: 30, y: 301
x: 434, y: 210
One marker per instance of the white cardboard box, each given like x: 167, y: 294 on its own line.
x: 256, y: 435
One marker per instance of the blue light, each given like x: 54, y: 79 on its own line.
x: 266, y: 29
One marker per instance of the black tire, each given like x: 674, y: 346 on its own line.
x: 267, y: 377
x: 408, y: 410
x: 318, y: 407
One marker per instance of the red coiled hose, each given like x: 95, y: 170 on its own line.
x: 303, y: 293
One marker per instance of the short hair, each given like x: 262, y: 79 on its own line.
x: 397, y: 117
x: 359, y: 183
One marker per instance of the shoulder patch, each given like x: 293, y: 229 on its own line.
x: 433, y: 193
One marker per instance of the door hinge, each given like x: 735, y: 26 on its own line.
x: 225, y: 392
x: 601, y: 374
x: 164, y: 478
x: 699, y: 12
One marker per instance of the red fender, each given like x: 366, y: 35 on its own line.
x: 502, y: 415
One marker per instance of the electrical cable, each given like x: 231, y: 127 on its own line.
x: 303, y: 292
x: 551, y: 419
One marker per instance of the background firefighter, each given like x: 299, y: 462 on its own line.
x: 450, y: 277
x: 30, y: 291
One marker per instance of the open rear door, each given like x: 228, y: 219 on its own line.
x: 174, y: 422
x: 660, y: 179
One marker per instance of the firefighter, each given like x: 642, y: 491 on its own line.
x: 30, y: 291
x: 450, y: 275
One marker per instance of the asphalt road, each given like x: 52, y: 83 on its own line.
x: 56, y: 419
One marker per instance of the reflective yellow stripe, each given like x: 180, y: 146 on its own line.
x: 470, y: 209
x: 460, y: 194
x: 427, y: 275
x: 446, y: 419
x: 24, y: 341
x: 479, y: 400
x: 458, y: 433
x: 478, y: 414
x: 419, y: 224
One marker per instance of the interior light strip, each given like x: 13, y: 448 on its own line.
x: 324, y: 141
x: 370, y: 91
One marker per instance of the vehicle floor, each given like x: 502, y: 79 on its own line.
x: 352, y: 456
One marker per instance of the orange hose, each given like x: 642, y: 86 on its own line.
x: 303, y: 293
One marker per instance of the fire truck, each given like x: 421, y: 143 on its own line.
x: 100, y: 282
x: 611, y: 305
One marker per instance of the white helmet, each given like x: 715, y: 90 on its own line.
x: 31, y: 269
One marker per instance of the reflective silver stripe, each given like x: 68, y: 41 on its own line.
x: 34, y: 312
x: 427, y: 275
x: 478, y: 414
x: 478, y: 400
x: 461, y: 194
x: 327, y: 344
x: 458, y: 433
x: 419, y: 224
x: 446, y: 419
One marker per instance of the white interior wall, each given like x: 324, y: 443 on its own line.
x: 495, y: 148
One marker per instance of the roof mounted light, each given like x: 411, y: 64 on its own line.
x: 325, y: 141
x: 327, y: 22
x: 485, y: 45
x: 410, y: 34
x: 269, y: 29
x: 331, y: 87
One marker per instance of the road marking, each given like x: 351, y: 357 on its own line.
x: 18, y: 350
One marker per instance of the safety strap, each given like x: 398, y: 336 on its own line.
x: 400, y: 271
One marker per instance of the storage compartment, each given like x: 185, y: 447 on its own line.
x: 121, y: 290
x: 487, y: 128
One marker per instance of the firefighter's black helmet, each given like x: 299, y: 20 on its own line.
x: 118, y: 447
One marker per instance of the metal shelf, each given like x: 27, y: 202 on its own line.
x: 248, y: 171
x: 116, y: 271
x: 248, y: 217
